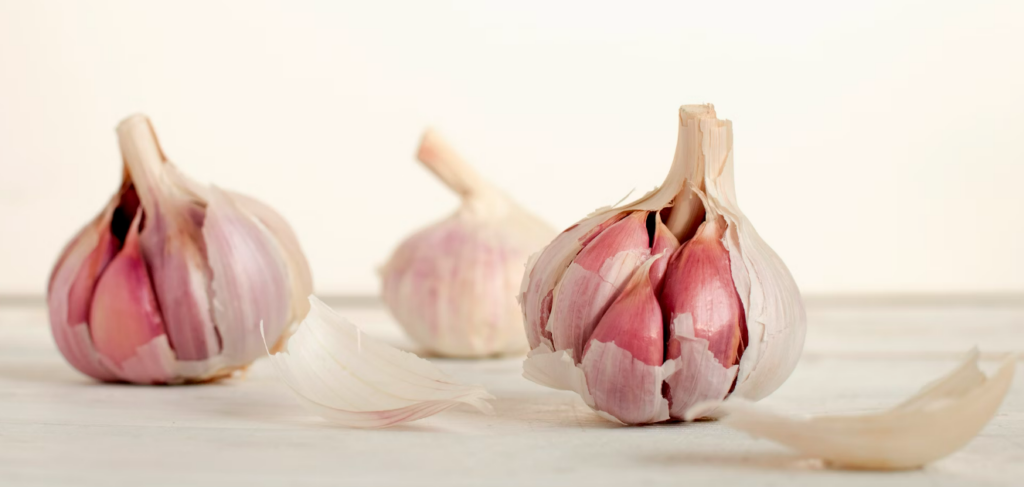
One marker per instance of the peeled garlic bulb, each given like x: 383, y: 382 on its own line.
x: 170, y: 282
x: 453, y: 285
x: 649, y: 308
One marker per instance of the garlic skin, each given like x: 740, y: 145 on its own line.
x: 732, y: 318
x: 352, y: 379
x: 170, y: 282
x: 453, y: 285
x: 940, y: 419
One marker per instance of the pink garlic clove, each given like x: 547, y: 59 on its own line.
x: 699, y: 281
x: 80, y: 295
x: 594, y: 279
x: 172, y: 243
x: 72, y: 337
x: 622, y: 361
x: 298, y: 267
x: 665, y: 243
x: 124, y: 314
x: 250, y: 278
x: 628, y: 234
x: 544, y: 271
x: 699, y: 376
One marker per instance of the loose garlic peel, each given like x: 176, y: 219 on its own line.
x: 352, y: 379
x: 937, y: 421
x: 571, y: 283
x: 452, y: 285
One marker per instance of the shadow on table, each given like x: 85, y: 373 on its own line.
x: 752, y: 460
x: 43, y: 372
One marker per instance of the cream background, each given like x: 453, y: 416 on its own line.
x: 878, y: 144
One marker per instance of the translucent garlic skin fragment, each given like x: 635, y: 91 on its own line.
x: 937, y: 421
x: 170, y: 282
x: 732, y: 318
x: 352, y: 379
x: 452, y: 285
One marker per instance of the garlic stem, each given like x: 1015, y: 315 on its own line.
x: 451, y: 168
x: 142, y: 156
x: 688, y: 210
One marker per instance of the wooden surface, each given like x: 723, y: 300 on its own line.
x: 59, y: 428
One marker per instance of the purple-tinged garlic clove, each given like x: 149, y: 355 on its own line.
x: 665, y: 243
x: 594, y: 279
x: 124, y: 314
x: 623, y: 359
x: 698, y: 282
x: 172, y: 243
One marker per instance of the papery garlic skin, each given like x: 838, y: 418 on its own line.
x: 350, y: 378
x: 733, y: 317
x: 453, y: 285
x: 940, y: 419
x: 170, y: 282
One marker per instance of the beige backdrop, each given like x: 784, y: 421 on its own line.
x: 878, y: 144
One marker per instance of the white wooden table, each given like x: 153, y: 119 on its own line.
x: 59, y: 428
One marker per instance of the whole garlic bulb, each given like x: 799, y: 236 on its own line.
x: 650, y: 308
x: 170, y: 282
x: 453, y: 285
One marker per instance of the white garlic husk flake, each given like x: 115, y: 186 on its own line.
x: 940, y: 419
x: 452, y: 286
x: 170, y: 282
x: 651, y: 307
x: 350, y: 378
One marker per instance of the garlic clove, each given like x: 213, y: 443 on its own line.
x: 699, y: 283
x: 352, y: 379
x: 698, y: 376
x: 452, y: 285
x: 544, y: 271
x: 70, y: 331
x: 937, y: 421
x: 633, y: 321
x: 623, y: 359
x: 124, y: 314
x: 81, y: 294
x: 298, y: 267
x: 250, y: 278
x: 593, y: 281
x: 665, y: 243
x: 628, y: 234
x: 172, y: 243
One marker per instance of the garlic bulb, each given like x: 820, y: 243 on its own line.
x: 354, y: 380
x: 452, y: 285
x: 937, y: 421
x: 170, y: 282
x: 649, y: 308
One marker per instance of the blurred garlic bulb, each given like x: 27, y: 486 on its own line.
x: 170, y: 282
x: 652, y: 307
x: 453, y: 285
